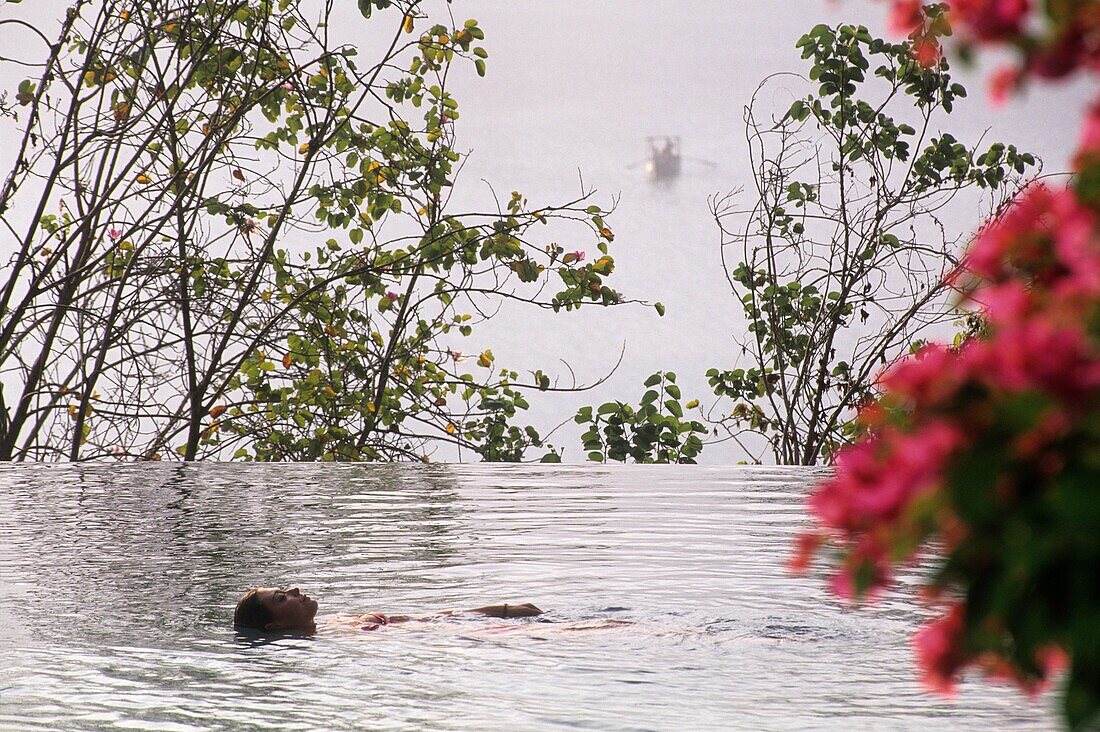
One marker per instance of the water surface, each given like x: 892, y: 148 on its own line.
x: 119, y: 582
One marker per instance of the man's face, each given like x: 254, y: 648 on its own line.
x: 290, y: 609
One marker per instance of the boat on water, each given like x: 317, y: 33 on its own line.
x: 664, y: 157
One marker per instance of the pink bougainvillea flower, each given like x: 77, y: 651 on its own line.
x: 1018, y: 242
x: 287, y: 86
x: 1050, y: 427
x: 841, y: 585
x: 579, y: 254
x: 1036, y: 355
x: 929, y: 377
x: 806, y: 546
x: 1006, y: 301
x: 867, y: 503
x: 864, y: 573
x: 857, y: 466
x: 1046, y: 238
x: 991, y: 20
x: 1077, y: 247
x: 1023, y: 390
x: 939, y: 650
x: 1044, y: 252
x: 1050, y: 660
x: 391, y: 296
x: 1002, y: 83
x: 927, y: 50
x: 1060, y: 55
x: 1089, y: 143
x: 875, y: 481
x: 1065, y: 44
x: 114, y: 234
x: 905, y: 17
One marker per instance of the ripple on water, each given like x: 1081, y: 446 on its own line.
x: 119, y: 584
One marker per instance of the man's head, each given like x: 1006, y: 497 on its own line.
x: 274, y: 609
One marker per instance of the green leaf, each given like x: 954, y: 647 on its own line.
x: 798, y: 111
x: 365, y: 7
x: 660, y: 308
x: 1081, y: 704
x: 652, y: 380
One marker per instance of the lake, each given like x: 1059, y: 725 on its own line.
x: 119, y: 584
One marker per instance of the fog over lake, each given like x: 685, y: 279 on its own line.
x: 571, y: 93
x: 578, y: 86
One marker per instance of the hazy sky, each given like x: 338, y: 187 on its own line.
x: 572, y: 90
x: 577, y: 86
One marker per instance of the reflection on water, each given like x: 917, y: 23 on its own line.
x: 118, y: 587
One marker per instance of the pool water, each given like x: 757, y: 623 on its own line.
x: 118, y: 584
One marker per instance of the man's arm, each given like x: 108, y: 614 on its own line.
x: 505, y: 610
x: 373, y: 621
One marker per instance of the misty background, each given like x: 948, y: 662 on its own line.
x: 572, y: 91
x: 578, y: 86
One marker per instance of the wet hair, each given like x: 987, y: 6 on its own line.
x: 250, y: 612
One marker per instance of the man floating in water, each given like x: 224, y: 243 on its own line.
x: 276, y: 610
